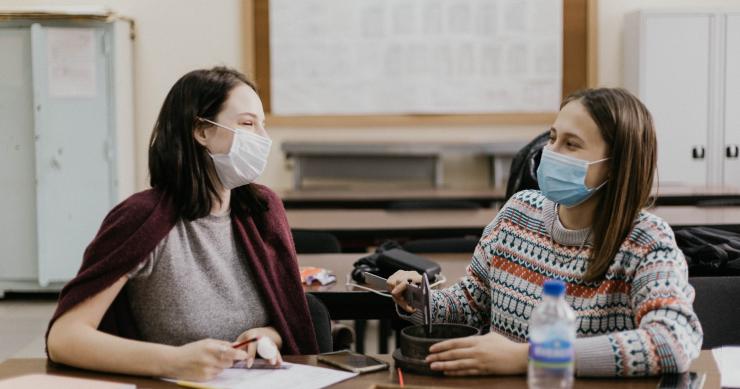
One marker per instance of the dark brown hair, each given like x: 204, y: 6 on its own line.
x: 181, y: 166
x: 627, y: 127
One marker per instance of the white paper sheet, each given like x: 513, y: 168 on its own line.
x: 728, y: 361
x: 295, y: 376
x: 415, y: 56
x: 71, y: 62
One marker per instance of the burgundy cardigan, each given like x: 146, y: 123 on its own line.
x: 133, y: 229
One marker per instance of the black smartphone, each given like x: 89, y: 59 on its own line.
x: 682, y: 381
x: 352, y: 361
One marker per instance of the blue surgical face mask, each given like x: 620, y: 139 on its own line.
x: 562, y: 179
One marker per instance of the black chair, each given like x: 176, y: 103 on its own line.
x: 444, y: 245
x: 321, y: 323
x: 523, y: 171
x: 315, y: 242
x: 718, y: 310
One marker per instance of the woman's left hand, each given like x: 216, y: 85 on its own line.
x: 251, y: 348
x: 479, y: 355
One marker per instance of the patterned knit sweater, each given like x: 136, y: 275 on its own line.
x: 637, y: 321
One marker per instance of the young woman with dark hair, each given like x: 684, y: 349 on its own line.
x: 626, y: 279
x: 179, y: 273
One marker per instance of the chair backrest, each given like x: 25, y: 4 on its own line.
x: 718, y: 310
x: 321, y: 323
x: 315, y: 242
x: 523, y: 170
x: 444, y: 245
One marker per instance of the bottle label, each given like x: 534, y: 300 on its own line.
x: 552, y: 354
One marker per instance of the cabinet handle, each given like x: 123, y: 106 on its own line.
x: 697, y: 152
x: 732, y: 151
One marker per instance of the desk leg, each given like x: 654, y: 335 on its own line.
x: 297, y: 173
x: 500, y: 171
x: 438, y: 173
x: 360, y: 326
x: 384, y: 332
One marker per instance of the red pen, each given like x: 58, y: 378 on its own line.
x: 248, y: 341
x: 400, y: 377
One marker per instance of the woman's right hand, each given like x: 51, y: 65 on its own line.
x: 397, y: 285
x: 203, y: 360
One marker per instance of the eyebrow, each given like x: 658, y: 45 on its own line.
x: 567, y: 134
x: 249, y: 114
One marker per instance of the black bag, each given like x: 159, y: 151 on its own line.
x: 523, y: 171
x: 388, y: 258
x: 710, y: 251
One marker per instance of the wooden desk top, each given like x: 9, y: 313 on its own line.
x: 704, y: 364
x: 373, y: 197
x: 392, y: 220
x: 453, y: 267
x: 391, y: 194
x: 379, y: 219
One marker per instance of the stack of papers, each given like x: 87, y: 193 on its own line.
x: 292, y: 376
x: 728, y: 360
x: 34, y: 381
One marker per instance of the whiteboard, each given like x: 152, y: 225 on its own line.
x: 358, y: 57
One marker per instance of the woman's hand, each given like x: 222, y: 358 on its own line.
x: 479, y: 355
x: 397, y: 285
x: 251, y: 348
x: 203, y: 360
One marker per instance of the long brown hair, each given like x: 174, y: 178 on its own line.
x: 181, y: 166
x: 627, y: 127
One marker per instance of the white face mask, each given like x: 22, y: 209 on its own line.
x: 246, y: 159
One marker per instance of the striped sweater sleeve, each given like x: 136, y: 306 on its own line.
x: 668, y: 334
x: 469, y: 300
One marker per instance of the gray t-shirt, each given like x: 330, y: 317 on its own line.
x: 196, y: 284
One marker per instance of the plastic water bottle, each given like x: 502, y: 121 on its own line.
x: 552, y: 331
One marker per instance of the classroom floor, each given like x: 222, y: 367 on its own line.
x: 23, y: 323
x: 22, y: 327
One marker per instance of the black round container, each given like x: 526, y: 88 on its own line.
x: 415, y: 345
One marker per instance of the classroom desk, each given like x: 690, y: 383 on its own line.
x: 704, y: 364
x: 381, y: 198
x: 347, y: 303
x: 374, y: 225
x: 695, y: 195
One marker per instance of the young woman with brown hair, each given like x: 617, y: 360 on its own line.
x: 626, y: 279
x: 179, y: 273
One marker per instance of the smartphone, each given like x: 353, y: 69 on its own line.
x: 375, y: 281
x: 352, y: 361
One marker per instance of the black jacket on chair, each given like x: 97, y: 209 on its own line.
x: 523, y: 171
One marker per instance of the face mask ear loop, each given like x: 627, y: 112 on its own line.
x: 218, y: 125
x: 599, y: 161
x: 605, y: 181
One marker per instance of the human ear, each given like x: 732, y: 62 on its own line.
x: 199, y: 133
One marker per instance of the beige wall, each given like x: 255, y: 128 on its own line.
x: 175, y: 36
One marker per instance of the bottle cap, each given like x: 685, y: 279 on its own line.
x: 555, y: 288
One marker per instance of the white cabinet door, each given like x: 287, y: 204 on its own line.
x: 675, y: 87
x: 731, y: 152
x: 73, y: 122
x: 17, y: 179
